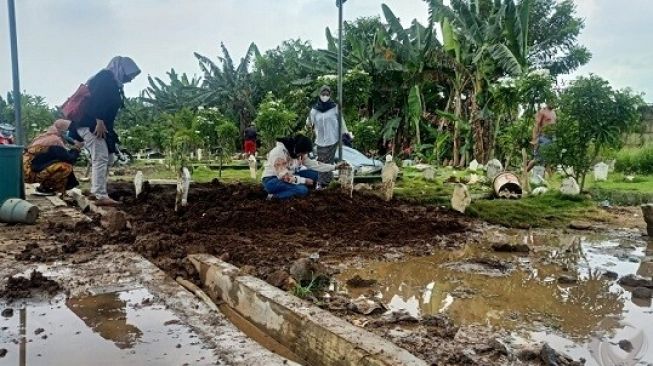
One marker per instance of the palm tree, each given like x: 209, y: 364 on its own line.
x: 229, y: 87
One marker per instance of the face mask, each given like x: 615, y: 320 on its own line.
x: 324, y: 98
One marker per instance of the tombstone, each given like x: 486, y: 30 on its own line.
x: 611, y: 164
x: 601, y: 172
x: 252, y: 166
x: 461, y: 198
x: 539, y: 191
x: 183, y: 186
x: 570, y: 187
x: 494, y: 168
x: 537, y: 175
x: 346, y: 179
x: 429, y: 174
x: 473, y: 179
x: 199, y: 154
x: 138, y: 183
x: 389, y: 175
x: 407, y: 162
x: 473, y: 165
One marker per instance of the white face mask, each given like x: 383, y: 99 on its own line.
x: 324, y: 98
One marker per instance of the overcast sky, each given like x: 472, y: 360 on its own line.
x: 64, y: 42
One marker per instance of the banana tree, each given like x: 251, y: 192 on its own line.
x: 180, y: 92
x: 494, y: 36
x: 408, y: 54
x: 229, y: 87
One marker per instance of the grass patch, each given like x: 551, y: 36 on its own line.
x: 620, y: 192
x: 413, y: 186
x: 550, y: 210
x: 618, y: 182
x: 200, y: 174
x: 635, y: 160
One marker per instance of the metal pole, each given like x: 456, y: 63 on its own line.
x: 20, y: 136
x: 340, y: 4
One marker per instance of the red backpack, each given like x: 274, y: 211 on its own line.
x: 73, y: 109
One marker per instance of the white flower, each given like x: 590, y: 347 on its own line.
x: 540, y: 72
x: 328, y: 77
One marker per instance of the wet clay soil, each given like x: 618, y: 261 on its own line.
x: 236, y: 223
x: 19, y: 287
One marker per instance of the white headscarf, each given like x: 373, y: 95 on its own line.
x: 124, y: 69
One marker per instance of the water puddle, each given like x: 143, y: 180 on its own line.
x: 117, y: 328
x: 558, y: 293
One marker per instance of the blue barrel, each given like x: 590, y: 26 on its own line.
x: 11, y: 176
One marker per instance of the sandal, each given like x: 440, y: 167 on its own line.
x: 106, y: 202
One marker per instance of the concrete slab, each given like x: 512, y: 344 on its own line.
x: 315, y: 335
x: 128, y: 271
x: 91, y: 274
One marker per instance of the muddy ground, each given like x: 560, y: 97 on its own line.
x: 237, y: 224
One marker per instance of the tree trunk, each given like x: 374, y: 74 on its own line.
x: 456, y: 129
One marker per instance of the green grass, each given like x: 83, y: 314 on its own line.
x: 618, y: 191
x: 549, y: 210
x: 414, y: 187
x: 618, y: 182
x: 199, y: 174
x: 635, y: 160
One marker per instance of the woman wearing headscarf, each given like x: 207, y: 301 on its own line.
x: 47, y: 161
x: 323, y: 119
x: 289, y: 172
x: 96, y: 127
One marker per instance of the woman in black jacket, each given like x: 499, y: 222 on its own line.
x: 96, y: 128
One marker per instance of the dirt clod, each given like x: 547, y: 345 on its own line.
x: 114, y: 221
x: 359, y: 282
x: 280, y: 279
x: 21, y: 287
x: 8, y: 313
x: 39, y: 331
x: 567, y: 280
x: 642, y: 293
x: 3, y: 352
x: 511, y: 248
x: 635, y: 281
x: 625, y: 345
x: 552, y: 358
x: 305, y: 270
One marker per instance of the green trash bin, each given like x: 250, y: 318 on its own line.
x: 11, y: 172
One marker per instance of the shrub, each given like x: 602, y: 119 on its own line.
x: 274, y: 120
x: 593, y: 118
x: 366, y: 134
x: 635, y: 160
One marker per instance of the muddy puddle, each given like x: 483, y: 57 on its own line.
x: 117, y: 328
x: 564, y: 292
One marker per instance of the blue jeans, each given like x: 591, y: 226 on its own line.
x: 283, y: 190
x: 542, y: 141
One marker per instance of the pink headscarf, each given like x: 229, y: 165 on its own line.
x: 53, y: 136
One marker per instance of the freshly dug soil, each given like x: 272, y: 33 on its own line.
x: 19, y: 287
x: 237, y: 223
